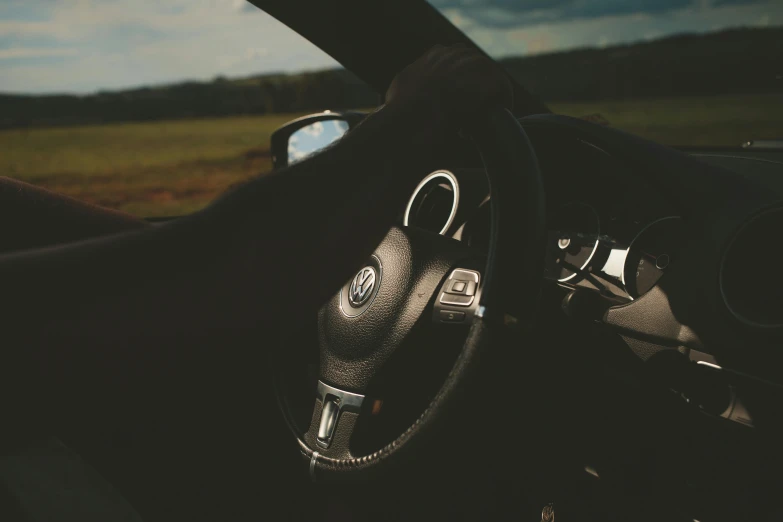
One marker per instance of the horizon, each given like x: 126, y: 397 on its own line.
x: 340, y: 67
x: 84, y: 47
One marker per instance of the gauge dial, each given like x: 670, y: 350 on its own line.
x: 650, y: 254
x: 573, y: 240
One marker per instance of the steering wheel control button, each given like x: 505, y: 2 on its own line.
x: 452, y: 316
x: 461, y: 287
x: 359, y: 293
x: 457, y: 298
x: 328, y: 422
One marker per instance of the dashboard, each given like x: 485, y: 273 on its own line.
x: 607, y: 231
x: 674, y: 245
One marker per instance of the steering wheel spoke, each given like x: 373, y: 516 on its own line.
x: 334, y: 418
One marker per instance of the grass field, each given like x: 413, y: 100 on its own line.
x: 175, y: 167
x: 150, y: 169
x: 725, y: 121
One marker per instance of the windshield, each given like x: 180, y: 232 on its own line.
x: 679, y: 72
x: 158, y: 108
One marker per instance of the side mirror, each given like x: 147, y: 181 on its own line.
x: 307, y: 135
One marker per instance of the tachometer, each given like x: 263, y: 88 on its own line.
x: 573, y: 241
x: 650, y: 253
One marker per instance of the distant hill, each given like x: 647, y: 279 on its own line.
x: 736, y: 61
x: 727, y: 62
x: 221, y: 97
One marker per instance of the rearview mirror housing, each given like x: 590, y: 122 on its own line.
x: 307, y: 135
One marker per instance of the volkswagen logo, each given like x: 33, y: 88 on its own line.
x: 362, y: 286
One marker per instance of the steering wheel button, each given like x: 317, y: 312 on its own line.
x: 451, y: 316
x: 460, y: 287
x: 456, y: 300
x: 464, y: 275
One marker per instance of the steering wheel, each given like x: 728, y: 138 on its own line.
x: 362, y: 326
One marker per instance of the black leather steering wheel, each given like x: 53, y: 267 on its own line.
x: 398, y: 284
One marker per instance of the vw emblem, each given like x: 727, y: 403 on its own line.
x: 362, y: 286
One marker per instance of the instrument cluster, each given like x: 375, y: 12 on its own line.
x: 597, y: 240
x: 614, y: 256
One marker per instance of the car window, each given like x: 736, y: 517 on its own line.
x: 154, y: 107
x: 679, y: 72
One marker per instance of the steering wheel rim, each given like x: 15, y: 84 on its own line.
x: 509, y: 288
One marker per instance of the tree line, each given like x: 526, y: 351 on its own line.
x: 735, y: 61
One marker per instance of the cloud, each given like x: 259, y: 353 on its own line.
x: 89, y: 45
x: 556, y: 26
x: 256, y: 52
x: 28, y: 52
x: 518, y: 13
x: 340, y: 127
x: 314, y: 129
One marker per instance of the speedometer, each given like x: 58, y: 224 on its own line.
x: 650, y: 253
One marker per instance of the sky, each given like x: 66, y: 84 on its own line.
x: 313, y: 138
x: 82, y: 46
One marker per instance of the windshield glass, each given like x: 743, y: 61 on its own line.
x: 155, y: 107
x: 679, y: 72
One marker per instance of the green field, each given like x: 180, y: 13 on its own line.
x: 174, y: 167
x: 150, y: 169
x: 725, y: 121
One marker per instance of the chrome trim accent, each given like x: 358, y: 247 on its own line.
x: 454, y: 205
x: 329, y: 412
x: 709, y: 365
x: 313, y: 458
x: 595, y: 246
x: 345, y: 401
x: 469, y: 272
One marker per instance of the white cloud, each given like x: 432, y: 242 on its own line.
x: 556, y: 35
x: 32, y: 52
x: 115, y: 43
x: 340, y: 127
x: 314, y: 129
x: 257, y: 52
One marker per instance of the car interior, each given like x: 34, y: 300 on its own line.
x: 564, y: 318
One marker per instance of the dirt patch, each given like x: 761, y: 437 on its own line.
x: 258, y: 152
